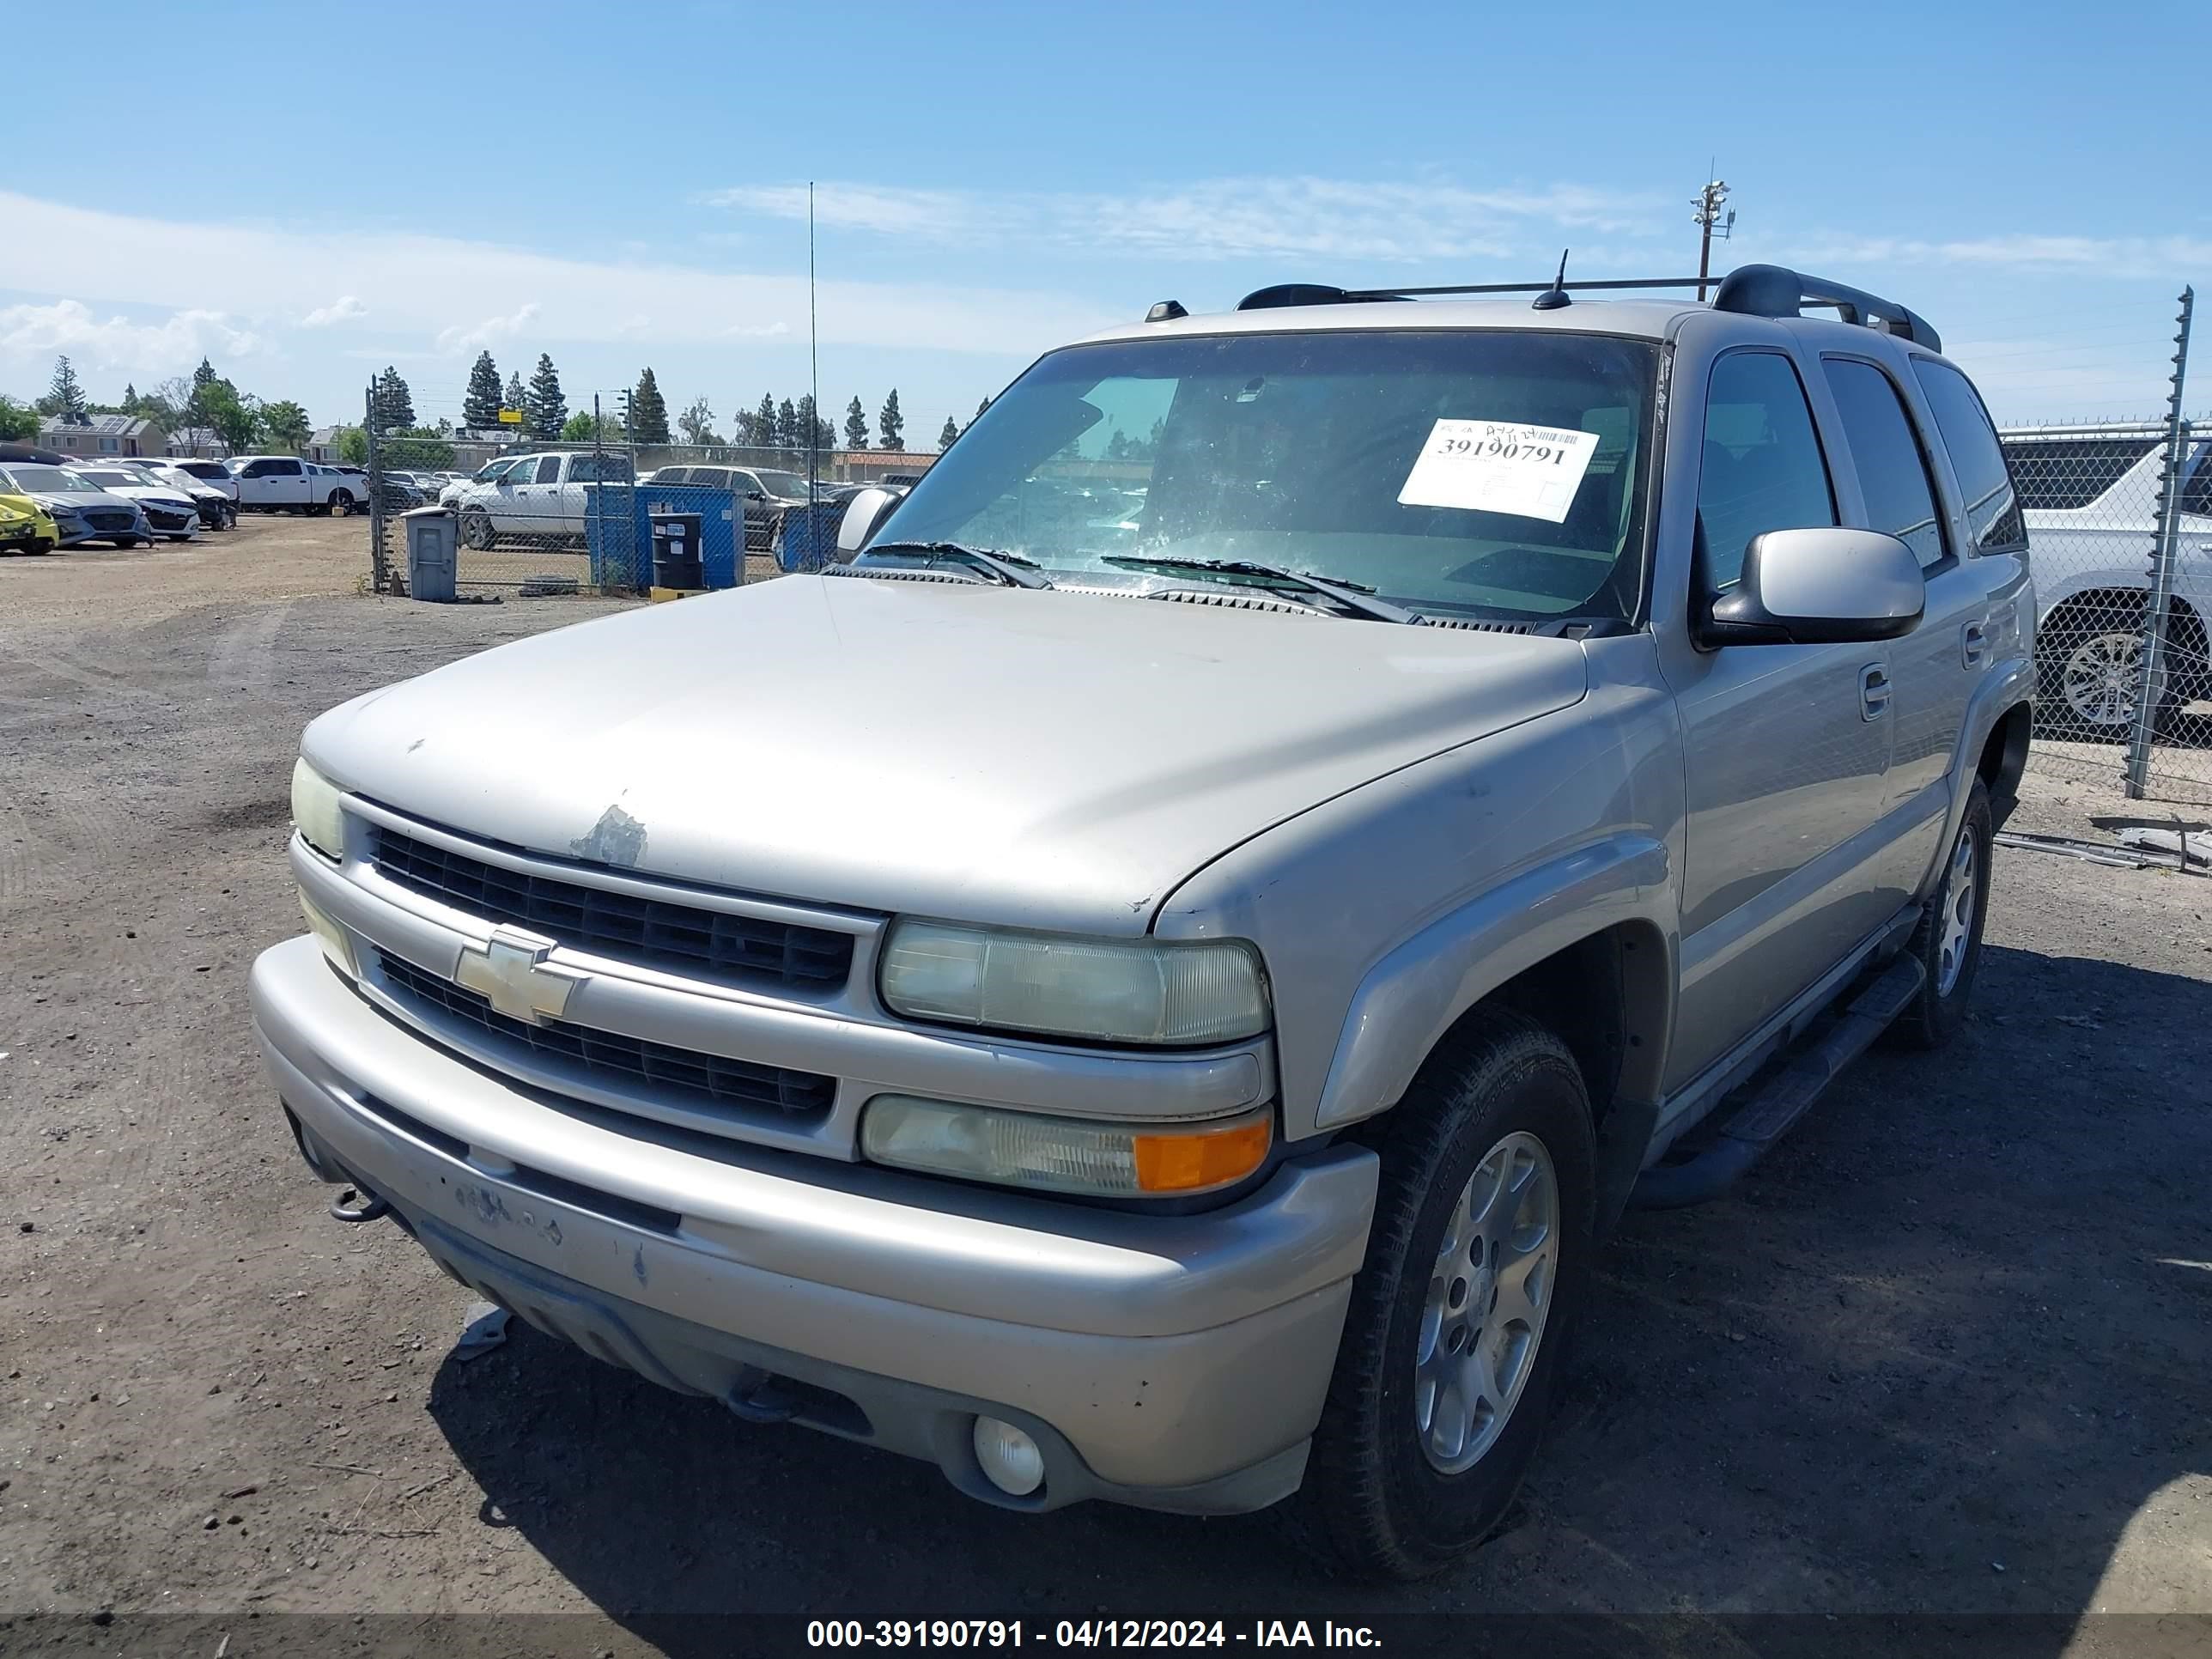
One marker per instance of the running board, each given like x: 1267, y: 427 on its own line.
x: 1767, y: 1112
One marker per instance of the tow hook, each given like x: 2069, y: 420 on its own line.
x: 370, y: 1207
x: 760, y: 1396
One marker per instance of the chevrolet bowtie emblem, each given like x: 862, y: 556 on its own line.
x: 512, y: 974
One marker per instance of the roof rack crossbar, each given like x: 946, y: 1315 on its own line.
x: 1319, y: 294
x: 1778, y: 291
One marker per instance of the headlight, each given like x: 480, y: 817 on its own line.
x: 315, y: 810
x: 336, y: 944
x: 1065, y: 1155
x: 1150, y: 991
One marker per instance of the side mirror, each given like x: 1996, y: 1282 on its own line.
x: 864, y: 515
x: 1827, y: 586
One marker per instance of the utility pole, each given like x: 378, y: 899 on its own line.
x: 1707, y: 216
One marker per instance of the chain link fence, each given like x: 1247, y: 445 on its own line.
x: 546, y: 520
x: 2119, y: 529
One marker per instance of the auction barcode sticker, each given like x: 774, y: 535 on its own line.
x: 1500, y: 466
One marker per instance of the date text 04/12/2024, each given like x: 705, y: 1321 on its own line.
x: 1086, y: 1633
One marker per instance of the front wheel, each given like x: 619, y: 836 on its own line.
x: 340, y: 503
x: 476, y: 531
x: 1459, y: 1320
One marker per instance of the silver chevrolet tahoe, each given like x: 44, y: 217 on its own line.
x: 1152, y: 982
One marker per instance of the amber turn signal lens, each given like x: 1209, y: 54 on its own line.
x: 1198, y: 1159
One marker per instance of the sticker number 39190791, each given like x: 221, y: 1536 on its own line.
x: 1500, y: 466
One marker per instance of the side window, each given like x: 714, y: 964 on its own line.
x: 549, y: 470
x: 672, y: 474
x: 1762, y: 468
x: 1893, y: 472
x: 2196, y: 494
x: 2066, y: 475
x: 716, y: 477
x: 257, y: 469
x: 285, y: 469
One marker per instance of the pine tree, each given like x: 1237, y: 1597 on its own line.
x: 480, y: 402
x: 978, y: 415
x: 65, y: 394
x: 393, y: 402
x: 514, y: 396
x: 764, y: 421
x: 130, y: 398
x: 786, y: 425
x: 856, y: 426
x: 546, y: 409
x: 811, y: 426
x: 951, y: 431
x: 203, y: 377
x: 890, y: 423
x: 648, y: 411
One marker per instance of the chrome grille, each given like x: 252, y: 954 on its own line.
x: 737, y: 1084
x: 678, y: 938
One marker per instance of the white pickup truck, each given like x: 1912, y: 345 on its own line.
x: 270, y: 482
x: 539, y: 498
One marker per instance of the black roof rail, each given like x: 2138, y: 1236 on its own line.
x: 1321, y: 294
x: 1778, y: 291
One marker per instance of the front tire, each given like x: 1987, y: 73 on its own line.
x: 1453, y: 1342
x: 476, y: 531
x: 340, y: 504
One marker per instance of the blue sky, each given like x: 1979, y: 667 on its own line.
x: 620, y: 185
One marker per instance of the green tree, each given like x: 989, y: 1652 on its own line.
x: 583, y: 428
x: 393, y: 404
x: 648, y: 411
x: 204, y: 376
x: 856, y: 426
x: 786, y: 425
x: 978, y: 415
x: 514, y: 396
x: 65, y: 395
x: 236, y: 420
x: 545, y: 410
x: 697, y: 423
x: 284, y: 424
x: 480, y: 402
x: 814, y: 432
x: 764, y: 429
x: 353, y: 445
x: 952, y: 430
x: 17, y: 421
x: 890, y: 423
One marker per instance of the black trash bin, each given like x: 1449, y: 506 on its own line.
x: 676, y: 550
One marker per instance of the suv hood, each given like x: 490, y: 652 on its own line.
x: 1038, y: 758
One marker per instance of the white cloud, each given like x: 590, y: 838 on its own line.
x: 343, y: 309
x: 415, y: 284
x: 489, y: 331
x: 1217, y: 218
x: 176, y: 342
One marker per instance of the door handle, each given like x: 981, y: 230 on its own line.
x: 1974, y: 644
x: 1873, y: 692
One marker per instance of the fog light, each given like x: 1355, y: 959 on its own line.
x: 1009, y: 1457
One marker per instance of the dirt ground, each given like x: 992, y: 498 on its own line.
x: 1947, y: 1350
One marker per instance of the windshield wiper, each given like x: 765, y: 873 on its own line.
x: 1010, y: 569
x: 1354, y: 598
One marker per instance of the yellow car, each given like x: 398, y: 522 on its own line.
x: 25, y: 527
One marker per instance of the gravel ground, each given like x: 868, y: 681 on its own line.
x: 1946, y: 1350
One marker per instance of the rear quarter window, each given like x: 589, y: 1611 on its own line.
x: 1977, y: 460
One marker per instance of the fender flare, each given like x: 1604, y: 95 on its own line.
x: 1414, y: 994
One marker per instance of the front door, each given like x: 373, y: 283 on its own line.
x: 1787, y: 747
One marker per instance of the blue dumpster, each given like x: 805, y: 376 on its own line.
x: 807, y: 539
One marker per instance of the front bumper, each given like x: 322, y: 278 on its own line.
x: 1171, y: 1361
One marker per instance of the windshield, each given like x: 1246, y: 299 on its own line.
x: 48, y: 479
x: 105, y: 479
x: 782, y: 483
x: 1492, y: 474
x: 491, y: 469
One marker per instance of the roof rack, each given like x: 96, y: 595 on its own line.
x: 1750, y: 290
x: 1778, y: 291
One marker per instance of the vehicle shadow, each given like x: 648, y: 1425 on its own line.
x: 1932, y: 1358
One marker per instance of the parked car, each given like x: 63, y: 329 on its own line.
x: 403, y: 492
x: 24, y: 526
x: 768, y: 493
x: 490, y: 472
x: 212, y: 474
x: 541, y: 497
x: 82, y: 512
x: 217, y: 507
x: 1167, y: 1025
x: 2090, y: 499
x: 270, y: 483
x: 170, y: 513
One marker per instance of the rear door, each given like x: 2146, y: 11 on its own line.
x: 1786, y: 747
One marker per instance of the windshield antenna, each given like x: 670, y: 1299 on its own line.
x: 1556, y: 295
